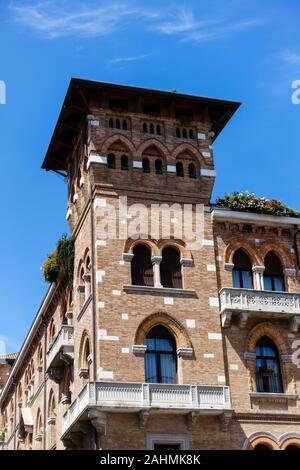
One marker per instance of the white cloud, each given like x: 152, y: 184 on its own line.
x: 184, y: 24
x: 92, y: 18
x: 289, y: 57
x: 55, y: 20
x: 121, y: 60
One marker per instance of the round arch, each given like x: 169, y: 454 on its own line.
x: 150, y: 244
x: 261, y: 438
x: 170, y: 323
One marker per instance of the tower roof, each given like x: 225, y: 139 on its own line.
x: 82, y: 95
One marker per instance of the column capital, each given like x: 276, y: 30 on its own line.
x: 228, y: 266
x: 258, y: 269
x: 156, y: 259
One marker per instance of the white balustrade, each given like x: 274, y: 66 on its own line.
x: 65, y: 338
x: 114, y: 396
x: 259, y: 301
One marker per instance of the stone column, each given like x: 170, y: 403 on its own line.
x: 156, y: 260
x: 258, y: 277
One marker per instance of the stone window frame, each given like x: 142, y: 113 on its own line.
x: 181, y: 439
x: 284, y: 352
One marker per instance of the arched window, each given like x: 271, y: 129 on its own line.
x: 146, y: 165
x: 262, y: 447
x: 178, y: 132
x: 158, y: 166
x: 118, y: 125
x: 242, y: 271
x: 179, y: 169
x: 141, y: 266
x: 39, y: 423
x: 111, y: 161
x: 191, y: 134
x: 273, y: 275
x: 86, y: 351
x: 160, y: 356
x: 124, y: 163
x: 51, y: 405
x: 184, y: 133
x: 111, y: 123
x: 268, y: 374
x: 145, y: 128
x: 192, y: 170
x: 52, y: 331
x: 151, y: 128
x: 158, y: 129
x: 124, y: 125
x: 292, y: 447
x: 170, y: 268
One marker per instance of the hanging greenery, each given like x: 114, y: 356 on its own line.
x: 60, y: 263
x: 247, y: 202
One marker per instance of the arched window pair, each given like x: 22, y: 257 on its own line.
x: 118, y: 124
x: 151, y: 128
x: 191, y: 169
x: 111, y: 162
x: 184, y: 133
x: 273, y: 277
x: 160, y: 356
x: 157, y: 164
x: 142, y: 269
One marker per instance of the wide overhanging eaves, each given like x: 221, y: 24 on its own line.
x: 83, y: 92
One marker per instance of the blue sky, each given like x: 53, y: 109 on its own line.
x: 245, y: 50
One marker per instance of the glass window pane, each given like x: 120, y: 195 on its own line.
x: 278, y: 283
x: 236, y: 278
x: 267, y: 283
x: 167, y: 365
x: 151, y: 368
x: 247, y: 279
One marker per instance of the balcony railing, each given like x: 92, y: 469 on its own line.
x: 135, y: 397
x: 259, y: 303
x: 63, y: 345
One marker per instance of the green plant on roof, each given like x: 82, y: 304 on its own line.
x: 247, y: 202
x: 60, y: 263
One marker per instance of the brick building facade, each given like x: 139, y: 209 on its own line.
x: 159, y: 343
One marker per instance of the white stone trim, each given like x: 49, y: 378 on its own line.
x: 190, y: 323
x: 99, y: 202
x: 207, y: 242
x: 214, y: 302
x: 125, y: 350
x: 100, y: 243
x: 171, y: 168
x: 68, y: 214
x: 221, y: 379
x: 233, y: 366
x: 208, y: 355
x: 105, y: 374
x: 137, y: 164
x: 168, y: 301
x: 116, y: 293
x: 100, y: 159
x: 185, y: 352
x: 211, y: 267
x: 207, y: 172
x: 124, y: 316
x: 81, y: 181
x: 75, y: 198
x: 100, y: 304
x: 103, y: 336
x: 99, y: 276
x: 201, y: 136
x: 206, y: 154
x: 216, y: 336
x: 139, y: 349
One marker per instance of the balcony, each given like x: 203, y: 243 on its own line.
x: 190, y: 400
x: 246, y: 303
x: 60, y: 352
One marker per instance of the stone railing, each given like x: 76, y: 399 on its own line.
x: 259, y: 302
x: 64, y: 339
x: 111, y: 396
